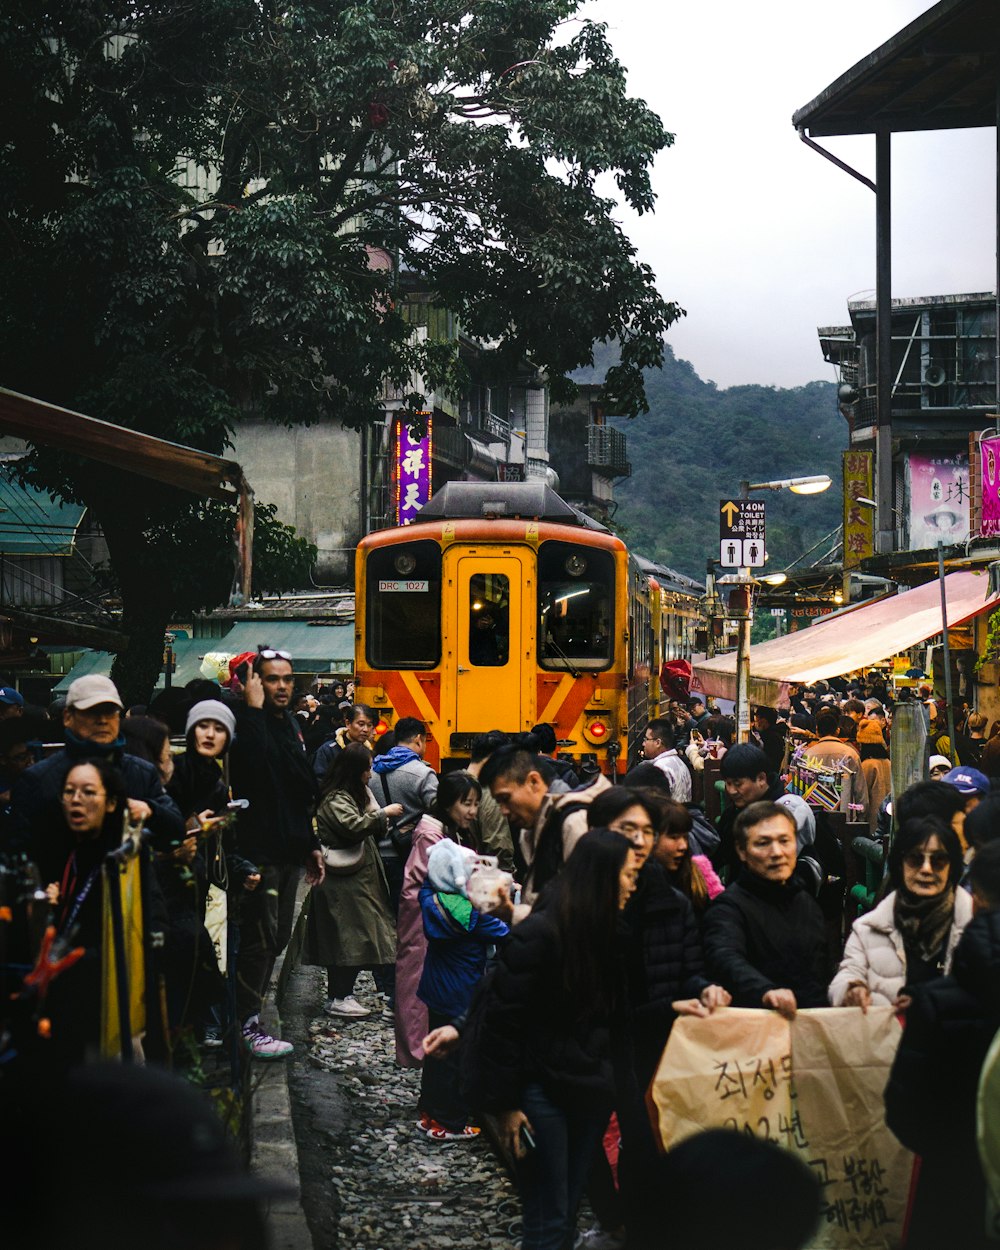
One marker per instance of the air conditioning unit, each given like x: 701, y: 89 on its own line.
x: 935, y: 376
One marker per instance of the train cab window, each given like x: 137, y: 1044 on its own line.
x: 576, y: 595
x: 489, y: 620
x: 403, y: 606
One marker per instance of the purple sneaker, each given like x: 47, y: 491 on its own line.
x: 262, y: 1045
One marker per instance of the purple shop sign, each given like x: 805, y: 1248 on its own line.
x: 413, y: 472
x: 989, y: 464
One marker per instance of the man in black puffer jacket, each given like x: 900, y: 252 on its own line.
x: 765, y: 937
x: 930, y: 1100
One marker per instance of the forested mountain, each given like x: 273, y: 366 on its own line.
x: 696, y: 444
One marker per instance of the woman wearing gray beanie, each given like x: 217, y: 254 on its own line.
x: 200, y: 787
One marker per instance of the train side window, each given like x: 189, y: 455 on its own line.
x: 576, y: 596
x: 489, y: 620
x: 403, y: 606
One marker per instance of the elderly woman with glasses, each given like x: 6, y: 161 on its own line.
x: 911, y: 935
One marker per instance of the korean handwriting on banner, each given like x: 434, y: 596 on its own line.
x: 413, y: 471
x: 813, y: 1087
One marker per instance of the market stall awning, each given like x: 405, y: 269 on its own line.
x: 870, y: 633
x: 313, y: 648
x: 188, y: 654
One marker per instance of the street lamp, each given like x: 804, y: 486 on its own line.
x: 741, y: 598
x: 797, y: 485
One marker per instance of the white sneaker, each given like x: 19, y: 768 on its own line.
x: 348, y: 1007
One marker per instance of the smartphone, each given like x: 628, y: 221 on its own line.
x: 237, y: 805
x: 527, y: 1139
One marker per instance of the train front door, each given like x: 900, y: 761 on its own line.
x: 483, y: 670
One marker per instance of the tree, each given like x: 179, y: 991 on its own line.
x: 207, y: 206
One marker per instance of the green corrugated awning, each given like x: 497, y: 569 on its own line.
x: 188, y: 652
x: 31, y: 524
x: 313, y: 648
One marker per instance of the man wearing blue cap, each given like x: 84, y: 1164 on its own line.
x: 11, y: 702
x: 971, y: 784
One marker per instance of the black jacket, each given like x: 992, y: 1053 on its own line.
x: 663, y: 962
x: 268, y: 766
x: 930, y: 1099
x: 37, y: 826
x: 761, y: 936
x: 531, y: 1033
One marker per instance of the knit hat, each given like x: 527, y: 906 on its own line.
x: 212, y: 709
x: 940, y: 761
x: 449, y: 867
x: 870, y: 733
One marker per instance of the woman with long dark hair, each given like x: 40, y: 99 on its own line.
x: 664, y: 973
x: 540, y: 1057
x: 200, y: 788
x: 350, y: 923
x: 451, y: 816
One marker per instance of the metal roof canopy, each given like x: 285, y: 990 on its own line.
x: 941, y: 72
x: 533, y: 501
x: 938, y: 73
x: 856, y: 639
x: 187, y: 468
x: 307, y: 644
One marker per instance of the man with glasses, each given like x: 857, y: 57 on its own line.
x: 92, y: 722
x: 269, y: 767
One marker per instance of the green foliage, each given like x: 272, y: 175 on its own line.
x: 991, y: 646
x: 209, y: 208
x: 696, y: 445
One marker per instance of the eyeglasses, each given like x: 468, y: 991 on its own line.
x: 939, y: 861
x: 268, y: 653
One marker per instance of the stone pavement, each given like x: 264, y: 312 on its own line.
x: 385, y: 1184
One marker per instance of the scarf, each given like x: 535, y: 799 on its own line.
x: 924, y: 922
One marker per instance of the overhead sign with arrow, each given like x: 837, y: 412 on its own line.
x: 741, y: 533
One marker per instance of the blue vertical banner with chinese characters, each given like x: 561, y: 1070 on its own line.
x: 411, y: 470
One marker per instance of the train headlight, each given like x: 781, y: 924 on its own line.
x: 597, y: 731
x: 382, y: 727
x: 575, y: 565
x: 405, y: 563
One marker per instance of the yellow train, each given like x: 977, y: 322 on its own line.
x: 503, y: 607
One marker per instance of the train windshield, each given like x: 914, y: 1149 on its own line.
x: 575, y: 606
x: 403, y: 606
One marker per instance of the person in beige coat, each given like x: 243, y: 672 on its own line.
x: 874, y: 767
x: 910, y: 937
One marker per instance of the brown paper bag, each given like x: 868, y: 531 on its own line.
x: 813, y: 1086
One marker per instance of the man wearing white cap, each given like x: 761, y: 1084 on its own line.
x: 92, y: 720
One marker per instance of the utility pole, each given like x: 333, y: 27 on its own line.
x: 740, y: 601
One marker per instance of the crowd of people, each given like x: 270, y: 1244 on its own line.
x: 533, y: 929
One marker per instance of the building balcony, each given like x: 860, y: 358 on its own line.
x: 607, y: 451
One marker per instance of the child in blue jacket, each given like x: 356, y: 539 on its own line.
x: 457, y: 940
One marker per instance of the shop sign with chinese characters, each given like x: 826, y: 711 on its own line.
x: 938, y: 488
x: 411, y: 470
x: 989, y: 464
x: 859, y: 520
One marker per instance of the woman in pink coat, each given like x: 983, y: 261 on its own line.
x: 451, y: 816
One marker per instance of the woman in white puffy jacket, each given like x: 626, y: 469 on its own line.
x: 911, y: 935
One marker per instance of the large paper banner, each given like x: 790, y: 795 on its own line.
x: 813, y: 1086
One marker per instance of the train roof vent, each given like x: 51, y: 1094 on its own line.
x: 474, y: 500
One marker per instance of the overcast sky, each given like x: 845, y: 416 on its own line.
x: 757, y: 236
